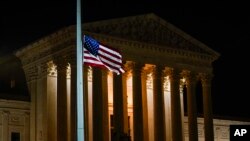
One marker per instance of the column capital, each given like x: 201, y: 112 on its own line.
x: 51, y: 69
x: 205, y: 78
x: 89, y: 73
x: 190, y: 77
x: 106, y: 71
x: 158, y: 70
x: 136, y: 67
x: 42, y: 69
x: 174, y: 74
x: 128, y: 65
x: 61, y: 64
x: 68, y: 71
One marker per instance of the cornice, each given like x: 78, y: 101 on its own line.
x: 48, y: 44
x: 13, y: 104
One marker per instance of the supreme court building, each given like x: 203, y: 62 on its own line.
x: 145, y: 103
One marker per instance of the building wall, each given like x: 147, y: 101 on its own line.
x: 221, y: 128
x: 14, y: 120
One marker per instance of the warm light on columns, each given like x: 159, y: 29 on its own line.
x: 182, y: 82
x: 90, y: 104
x: 150, y: 106
x: 167, y: 107
x: 130, y: 104
x: 110, y: 99
x: 68, y: 73
x: 129, y: 100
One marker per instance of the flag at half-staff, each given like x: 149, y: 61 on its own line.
x: 99, y: 55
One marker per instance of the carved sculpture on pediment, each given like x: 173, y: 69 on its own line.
x: 147, y: 30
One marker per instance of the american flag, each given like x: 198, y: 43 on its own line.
x: 98, y: 55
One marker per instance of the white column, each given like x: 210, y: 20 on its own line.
x: 69, y: 96
x: 100, y: 105
x: 120, y: 111
x: 207, y: 107
x: 86, y: 102
x: 182, y: 109
x: 167, y: 106
x: 72, y: 118
x: 145, y: 106
x: 150, y: 107
x: 90, y: 103
x: 159, y: 116
x: 174, y: 76
x: 51, y: 102
x: 191, y: 107
x: 61, y: 100
x: 137, y: 102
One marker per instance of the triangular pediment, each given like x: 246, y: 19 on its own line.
x: 150, y: 29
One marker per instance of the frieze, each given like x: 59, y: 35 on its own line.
x: 16, y: 119
x: 224, y: 133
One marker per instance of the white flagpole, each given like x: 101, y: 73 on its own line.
x: 79, y: 75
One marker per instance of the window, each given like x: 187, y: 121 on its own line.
x: 15, y: 136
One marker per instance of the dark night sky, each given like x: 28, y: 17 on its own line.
x: 224, y: 28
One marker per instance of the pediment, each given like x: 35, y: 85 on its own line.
x: 150, y: 29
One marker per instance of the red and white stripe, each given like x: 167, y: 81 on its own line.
x: 106, y: 57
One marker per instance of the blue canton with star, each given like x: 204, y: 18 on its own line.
x: 91, y: 45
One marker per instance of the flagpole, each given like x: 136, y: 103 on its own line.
x: 79, y: 75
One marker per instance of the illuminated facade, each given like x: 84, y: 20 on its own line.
x: 143, y: 104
